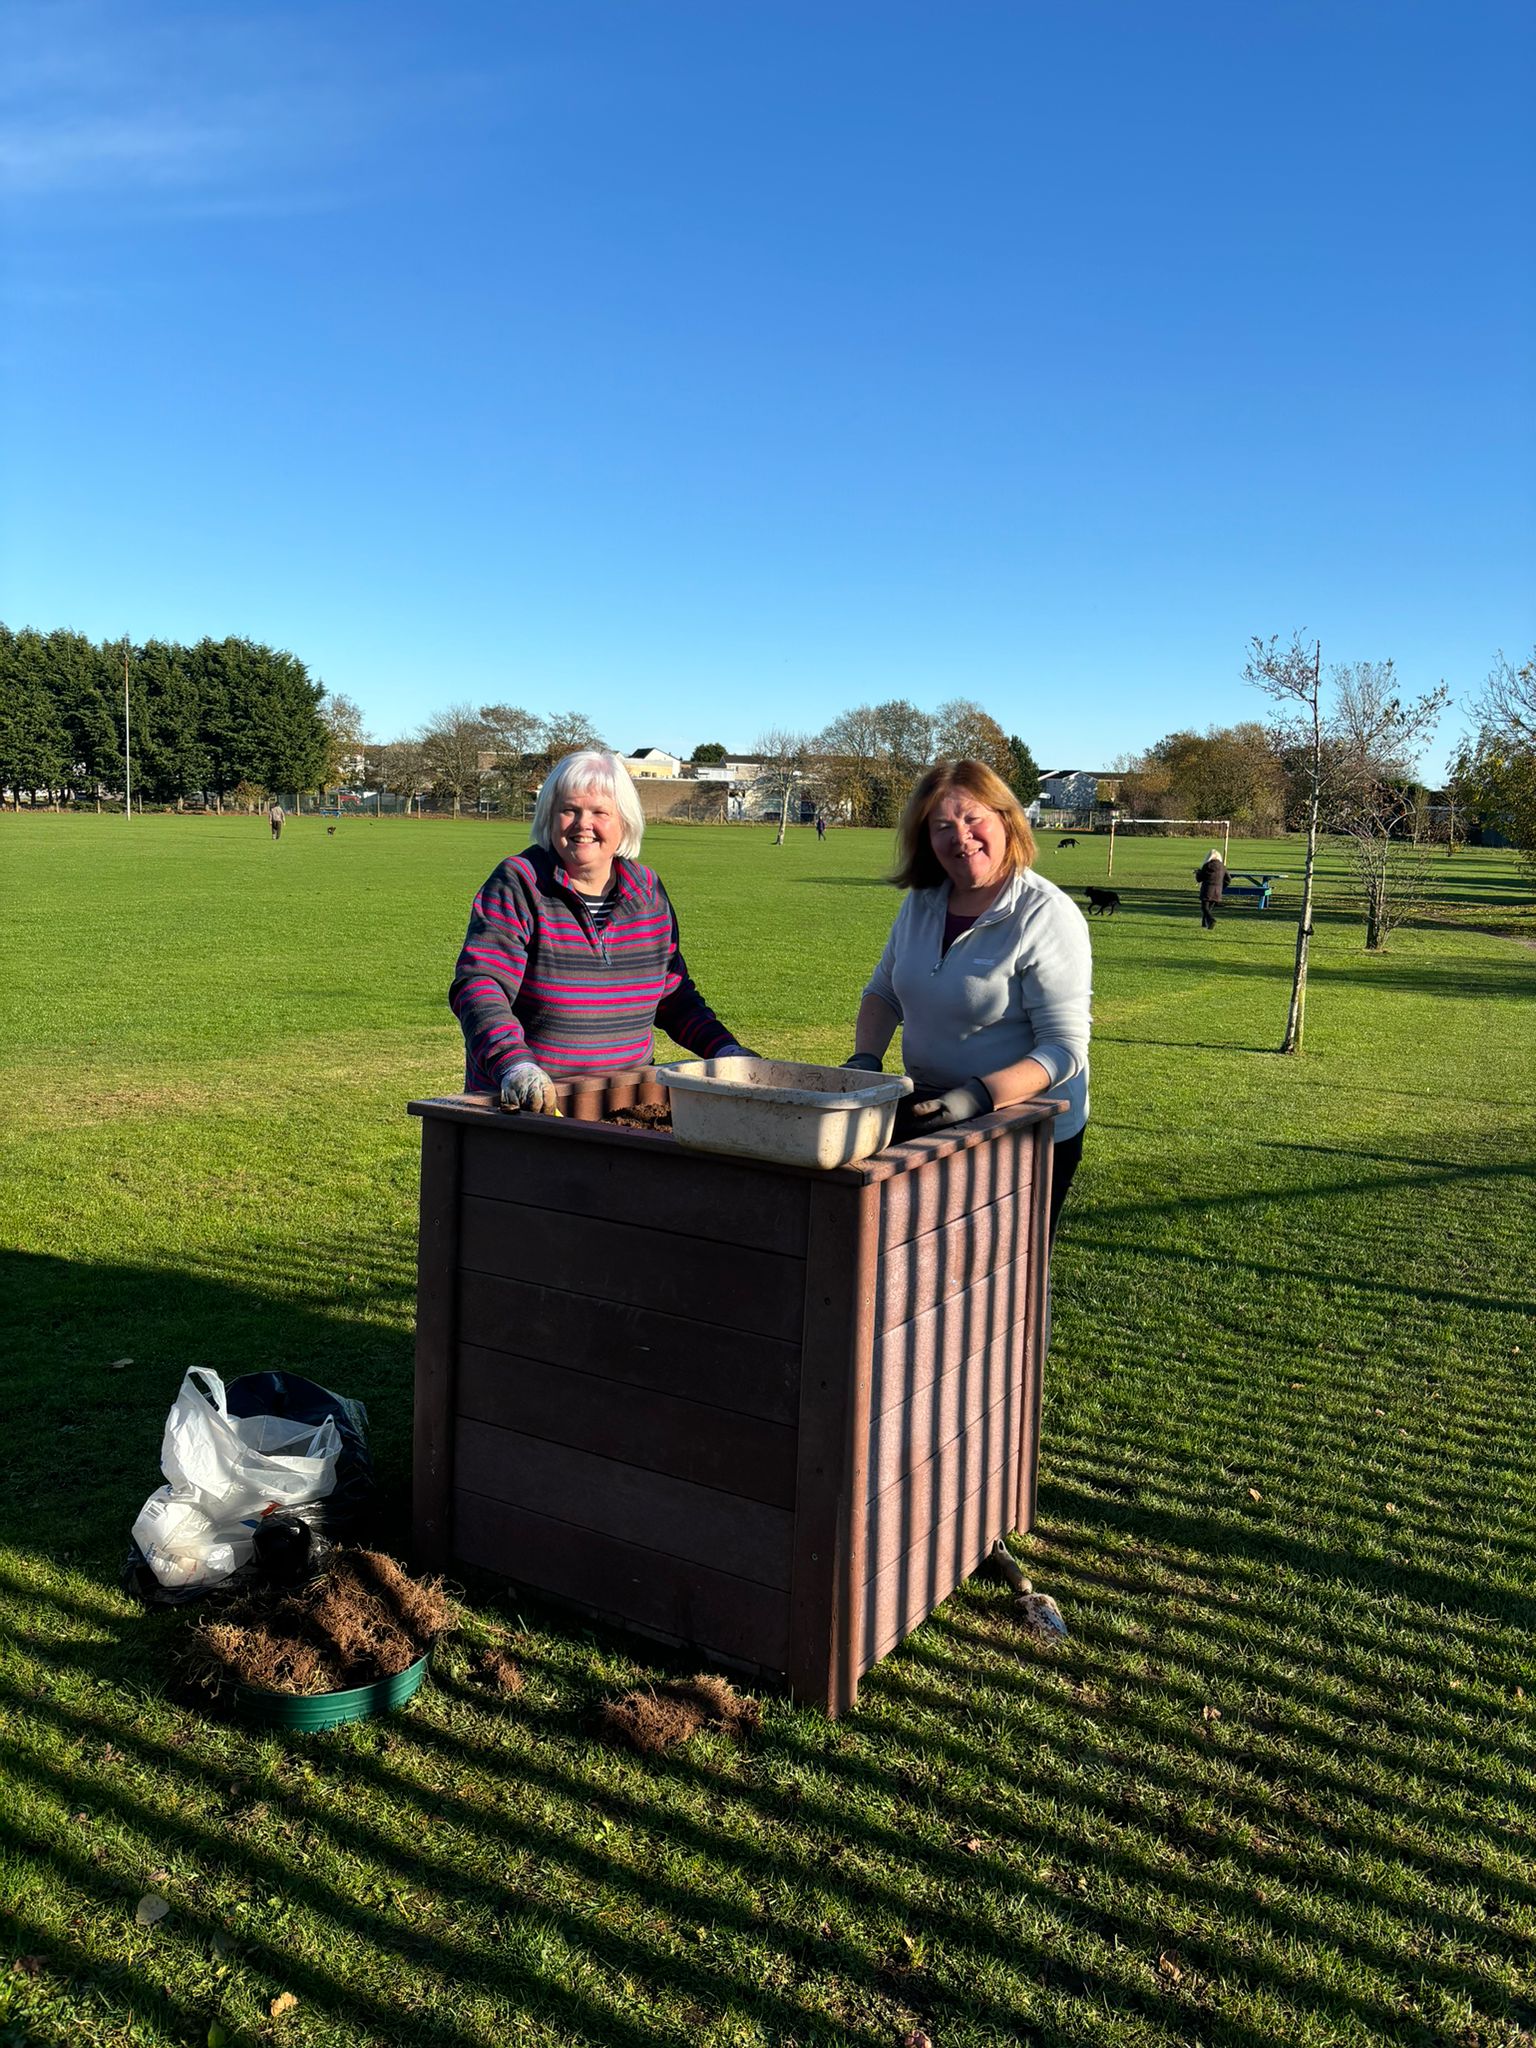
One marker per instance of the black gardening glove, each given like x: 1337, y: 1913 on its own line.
x: 919, y: 1116
x: 866, y: 1062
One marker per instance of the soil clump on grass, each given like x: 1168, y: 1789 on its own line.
x: 654, y: 1720
x: 645, y: 1116
x: 360, y: 1619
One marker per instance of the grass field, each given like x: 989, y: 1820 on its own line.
x: 1279, y: 1787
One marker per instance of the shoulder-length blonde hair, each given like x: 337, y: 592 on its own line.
x: 917, y: 865
x: 592, y: 768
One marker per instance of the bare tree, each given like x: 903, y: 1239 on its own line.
x: 566, y: 732
x: 908, y: 736
x: 966, y: 732
x: 512, y: 737
x: 400, y: 766
x: 1292, y: 679
x: 783, y: 758
x: 453, y: 744
x: 346, y: 739
x: 511, y: 730
x: 869, y: 756
x: 851, y: 765
x: 1495, y: 771
x: 1371, y: 795
x: 1508, y: 702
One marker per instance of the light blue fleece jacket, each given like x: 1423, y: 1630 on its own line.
x: 1018, y: 985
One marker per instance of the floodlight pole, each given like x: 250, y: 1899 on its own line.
x: 127, y: 737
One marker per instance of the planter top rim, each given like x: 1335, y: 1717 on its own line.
x: 483, y: 1112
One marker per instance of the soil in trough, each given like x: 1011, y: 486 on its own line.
x: 646, y: 1116
x: 360, y: 1619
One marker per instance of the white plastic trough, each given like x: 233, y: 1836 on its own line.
x: 781, y: 1110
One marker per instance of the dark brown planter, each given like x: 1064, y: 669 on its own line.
x: 774, y: 1414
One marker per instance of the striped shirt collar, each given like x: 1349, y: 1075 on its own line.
x: 549, y: 874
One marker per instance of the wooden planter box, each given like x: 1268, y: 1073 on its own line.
x: 777, y: 1415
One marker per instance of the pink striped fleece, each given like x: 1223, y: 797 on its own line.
x: 537, y: 980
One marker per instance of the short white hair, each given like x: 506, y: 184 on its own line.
x: 591, y: 768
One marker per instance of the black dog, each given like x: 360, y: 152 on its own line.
x: 1064, y: 842
x: 1105, y: 900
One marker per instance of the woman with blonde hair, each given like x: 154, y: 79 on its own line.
x: 988, y: 968
x: 572, y: 956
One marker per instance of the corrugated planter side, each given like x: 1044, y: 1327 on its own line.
x: 308, y: 1711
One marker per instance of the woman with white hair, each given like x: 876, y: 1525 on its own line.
x: 1213, y: 878
x: 572, y: 955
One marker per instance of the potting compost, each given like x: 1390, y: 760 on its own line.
x: 646, y: 1116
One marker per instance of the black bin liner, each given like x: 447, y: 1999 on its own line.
x: 289, y: 1544
x: 297, y: 1399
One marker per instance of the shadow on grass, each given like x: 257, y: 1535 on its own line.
x: 1498, y: 980
x: 933, y: 1862
x: 96, y: 1354
x: 445, y: 1809
x: 848, y: 882
x: 1189, y: 1530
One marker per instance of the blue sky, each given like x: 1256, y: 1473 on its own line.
x: 715, y: 366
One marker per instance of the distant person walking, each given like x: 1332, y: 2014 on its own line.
x: 275, y: 816
x: 821, y: 824
x: 1213, y: 878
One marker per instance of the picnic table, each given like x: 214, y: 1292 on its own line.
x: 1258, y: 886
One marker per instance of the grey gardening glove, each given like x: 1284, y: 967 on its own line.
x: 866, y: 1062
x: 733, y: 1051
x: 920, y: 1116
x: 527, y: 1087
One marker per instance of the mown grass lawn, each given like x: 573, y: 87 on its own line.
x: 1279, y: 1787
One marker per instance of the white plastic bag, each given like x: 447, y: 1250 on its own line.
x: 226, y: 1473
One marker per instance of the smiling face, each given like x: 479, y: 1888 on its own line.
x: 587, y: 829
x: 968, y: 841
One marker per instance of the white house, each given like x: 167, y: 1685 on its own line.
x: 1073, y: 791
x: 649, y: 763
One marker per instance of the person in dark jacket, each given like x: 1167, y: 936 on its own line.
x: 1212, y: 877
x: 572, y: 956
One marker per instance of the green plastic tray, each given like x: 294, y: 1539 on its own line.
x: 327, y: 1709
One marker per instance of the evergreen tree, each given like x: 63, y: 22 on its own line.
x: 173, y: 762
x: 35, y: 751
x: 1024, y: 775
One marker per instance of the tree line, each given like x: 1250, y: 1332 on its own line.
x: 861, y: 766
x: 215, y: 722
x: 229, y: 720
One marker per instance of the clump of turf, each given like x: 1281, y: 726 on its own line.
x: 361, y: 1618
x: 658, y: 1719
x: 499, y: 1669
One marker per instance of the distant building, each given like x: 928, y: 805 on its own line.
x: 737, y: 777
x: 1075, y: 792
x: 652, y: 764
x: 682, y: 799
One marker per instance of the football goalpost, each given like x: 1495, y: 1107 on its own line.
x: 1222, y: 825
